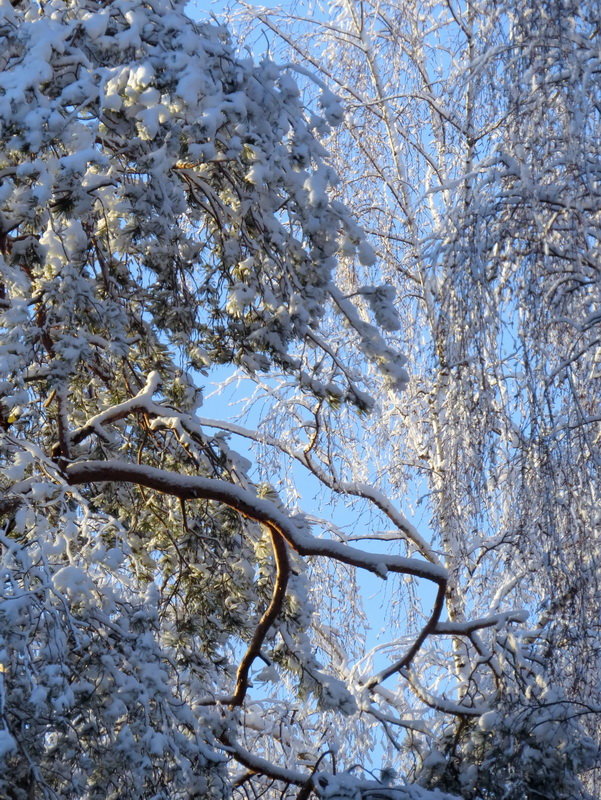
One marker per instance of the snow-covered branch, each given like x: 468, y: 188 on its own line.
x: 190, y: 487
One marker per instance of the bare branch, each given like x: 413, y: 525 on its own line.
x: 270, y: 615
x: 428, y: 628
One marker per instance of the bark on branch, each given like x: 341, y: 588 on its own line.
x: 268, y: 617
x: 191, y: 487
x: 283, y: 529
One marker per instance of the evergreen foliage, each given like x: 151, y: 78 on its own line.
x: 171, y: 625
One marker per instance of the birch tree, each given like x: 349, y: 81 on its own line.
x: 165, y: 207
x: 468, y: 151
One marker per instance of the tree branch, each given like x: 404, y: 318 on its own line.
x: 353, y: 489
x: 268, y: 618
x: 283, y: 529
x: 428, y: 629
x: 192, y: 487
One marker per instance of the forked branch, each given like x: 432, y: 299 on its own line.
x: 283, y: 529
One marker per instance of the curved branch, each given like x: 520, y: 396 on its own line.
x: 283, y: 529
x: 353, y: 489
x: 428, y: 629
x: 269, y: 616
x: 143, y: 402
x: 140, y: 402
x: 192, y: 487
x: 260, y: 765
x: 441, y: 703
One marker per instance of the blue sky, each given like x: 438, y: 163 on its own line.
x: 226, y: 404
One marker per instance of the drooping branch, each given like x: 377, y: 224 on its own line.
x: 246, y: 504
x: 268, y: 618
x: 143, y: 402
x: 192, y: 487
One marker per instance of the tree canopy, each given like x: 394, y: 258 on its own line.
x: 177, y: 621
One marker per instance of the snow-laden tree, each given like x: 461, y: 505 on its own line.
x: 166, y: 206
x: 468, y: 149
x: 176, y: 623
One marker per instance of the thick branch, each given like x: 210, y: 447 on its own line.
x: 268, y: 618
x: 191, y: 487
x: 143, y: 402
x: 283, y: 529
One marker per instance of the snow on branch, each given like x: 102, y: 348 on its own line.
x: 351, y: 488
x: 191, y: 487
x: 261, y: 510
x: 493, y: 621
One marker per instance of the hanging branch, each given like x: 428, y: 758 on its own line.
x: 269, y: 616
